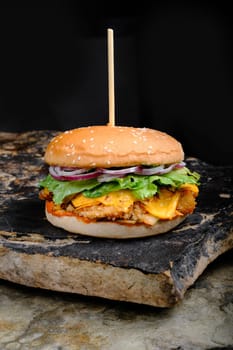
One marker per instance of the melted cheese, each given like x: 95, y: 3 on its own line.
x: 80, y: 201
x: 122, y: 199
x: 162, y: 206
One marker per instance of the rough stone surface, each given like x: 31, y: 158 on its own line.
x: 34, y: 319
x: 155, y: 270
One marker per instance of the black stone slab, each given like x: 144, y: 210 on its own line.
x: 23, y: 228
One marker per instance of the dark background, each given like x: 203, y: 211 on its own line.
x: 173, y: 69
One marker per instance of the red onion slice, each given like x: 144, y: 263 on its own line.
x: 108, y: 177
x: 171, y: 167
x: 79, y: 174
x: 118, y: 172
x: 67, y: 171
x: 180, y: 165
x: 160, y: 170
x: 70, y: 174
x: 150, y: 171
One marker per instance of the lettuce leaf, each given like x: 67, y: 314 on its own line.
x: 141, y: 186
x: 63, y: 189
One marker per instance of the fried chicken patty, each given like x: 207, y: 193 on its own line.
x: 134, y: 213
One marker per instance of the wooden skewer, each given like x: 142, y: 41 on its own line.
x: 111, y: 92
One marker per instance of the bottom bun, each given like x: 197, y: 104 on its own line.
x: 105, y: 229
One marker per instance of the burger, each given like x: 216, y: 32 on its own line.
x: 117, y: 182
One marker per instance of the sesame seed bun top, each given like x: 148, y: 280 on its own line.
x: 112, y: 146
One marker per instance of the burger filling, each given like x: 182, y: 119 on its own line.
x: 122, y: 195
